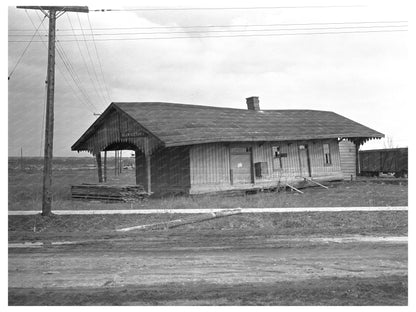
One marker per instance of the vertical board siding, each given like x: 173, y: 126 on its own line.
x: 290, y: 164
x: 140, y: 168
x: 241, y: 167
x: 263, y: 153
x: 170, y: 170
x: 209, y: 164
x: 316, y: 154
x: 347, y: 155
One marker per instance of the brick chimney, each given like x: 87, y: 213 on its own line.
x: 253, y: 103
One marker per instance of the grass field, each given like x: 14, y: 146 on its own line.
x: 25, y: 193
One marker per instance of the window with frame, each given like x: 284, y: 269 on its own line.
x: 327, y: 154
x: 277, y: 157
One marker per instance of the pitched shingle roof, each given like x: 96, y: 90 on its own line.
x: 180, y: 124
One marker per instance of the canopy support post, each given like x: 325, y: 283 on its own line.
x: 357, y: 143
x: 105, y: 166
x: 99, y: 166
x: 147, y: 155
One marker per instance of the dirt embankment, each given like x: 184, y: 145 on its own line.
x: 382, y: 291
x: 59, y: 227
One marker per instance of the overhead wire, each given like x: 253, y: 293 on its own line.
x: 202, y: 33
x: 26, y: 48
x: 68, y: 65
x: 75, y: 93
x: 241, y: 33
x: 85, y: 100
x: 83, y: 59
x: 92, y: 61
x: 235, y: 36
x: 45, y: 92
x: 225, y: 26
x: 228, y: 8
x: 229, y: 31
x: 99, y: 61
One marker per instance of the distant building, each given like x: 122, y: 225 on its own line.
x: 194, y: 149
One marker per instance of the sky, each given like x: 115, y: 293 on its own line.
x: 362, y: 76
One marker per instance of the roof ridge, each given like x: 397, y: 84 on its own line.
x: 220, y: 107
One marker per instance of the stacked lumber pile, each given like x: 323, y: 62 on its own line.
x: 105, y: 192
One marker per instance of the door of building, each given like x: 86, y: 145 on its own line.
x: 304, y: 160
x: 241, y: 165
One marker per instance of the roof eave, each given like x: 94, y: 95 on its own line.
x: 268, y: 139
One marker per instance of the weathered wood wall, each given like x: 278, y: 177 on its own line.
x: 170, y: 171
x: 210, y: 164
x: 206, y: 167
x: 291, y: 166
x: 348, y: 162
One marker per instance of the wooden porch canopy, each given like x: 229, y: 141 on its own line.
x: 115, y: 130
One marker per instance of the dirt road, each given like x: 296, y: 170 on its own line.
x: 163, y: 270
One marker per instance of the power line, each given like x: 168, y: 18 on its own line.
x: 230, y: 8
x: 227, y: 26
x: 230, y: 31
x: 45, y: 94
x: 83, y: 58
x: 99, y: 61
x: 84, y: 100
x: 59, y: 68
x: 27, y: 46
x: 235, y: 36
x: 69, y: 68
x: 68, y: 65
x: 91, y: 60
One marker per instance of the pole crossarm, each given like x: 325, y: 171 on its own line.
x: 80, y: 9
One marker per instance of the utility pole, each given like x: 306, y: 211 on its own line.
x: 53, y: 12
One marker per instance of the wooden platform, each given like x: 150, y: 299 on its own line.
x: 108, y: 193
x: 238, y: 192
x: 265, y: 189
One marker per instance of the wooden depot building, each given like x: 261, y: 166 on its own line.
x: 192, y: 149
